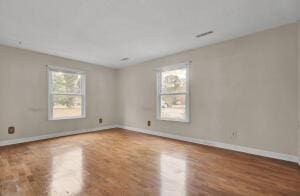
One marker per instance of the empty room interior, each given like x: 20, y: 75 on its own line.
x: 160, y: 97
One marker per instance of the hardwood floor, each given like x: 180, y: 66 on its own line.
x: 120, y: 162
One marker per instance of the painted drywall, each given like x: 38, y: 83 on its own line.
x: 24, y: 87
x: 299, y: 90
x: 248, y: 85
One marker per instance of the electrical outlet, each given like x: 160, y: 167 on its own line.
x: 11, y: 130
x: 149, y: 123
x: 100, y: 120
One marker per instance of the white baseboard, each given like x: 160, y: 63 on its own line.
x: 248, y: 150
x: 254, y: 151
x: 53, y: 135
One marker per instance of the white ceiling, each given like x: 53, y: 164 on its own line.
x: 105, y: 31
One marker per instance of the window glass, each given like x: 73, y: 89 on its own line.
x: 172, y: 93
x: 66, y: 106
x: 173, y: 107
x: 173, y: 81
x: 66, y: 94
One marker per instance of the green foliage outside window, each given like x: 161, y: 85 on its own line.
x: 66, y: 83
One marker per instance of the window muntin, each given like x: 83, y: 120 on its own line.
x: 66, y: 93
x: 173, y: 93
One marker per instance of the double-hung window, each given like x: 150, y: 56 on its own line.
x: 173, y: 93
x: 66, y: 93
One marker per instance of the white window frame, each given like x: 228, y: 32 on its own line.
x: 159, y: 93
x: 51, y: 69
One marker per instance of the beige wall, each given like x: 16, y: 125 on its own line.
x: 23, y: 94
x: 299, y: 90
x: 247, y: 85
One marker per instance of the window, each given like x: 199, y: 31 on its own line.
x: 66, y: 93
x: 173, y: 93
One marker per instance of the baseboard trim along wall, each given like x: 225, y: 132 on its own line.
x: 53, y: 135
x: 248, y: 150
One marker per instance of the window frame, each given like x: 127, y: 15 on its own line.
x: 50, y: 69
x: 185, y: 65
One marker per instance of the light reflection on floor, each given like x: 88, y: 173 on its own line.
x: 67, y: 172
x: 173, y: 175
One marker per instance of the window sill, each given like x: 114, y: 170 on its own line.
x: 66, y: 118
x: 173, y: 120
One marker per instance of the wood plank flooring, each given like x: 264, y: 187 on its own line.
x: 120, y: 162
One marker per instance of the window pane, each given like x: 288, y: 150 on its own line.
x: 66, y: 106
x: 173, y: 107
x: 66, y: 82
x: 173, y: 81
